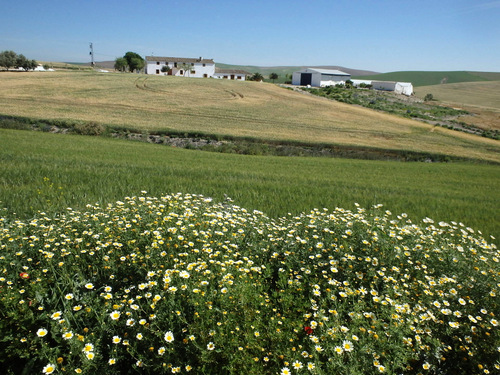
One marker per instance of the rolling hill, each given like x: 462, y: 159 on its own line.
x: 427, y: 78
x: 152, y: 104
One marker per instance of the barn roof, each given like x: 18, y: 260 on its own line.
x: 329, y: 71
x: 180, y: 59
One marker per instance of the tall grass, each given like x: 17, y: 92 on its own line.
x: 49, y: 172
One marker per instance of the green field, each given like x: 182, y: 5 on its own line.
x: 424, y: 78
x: 49, y: 172
x: 227, y: 108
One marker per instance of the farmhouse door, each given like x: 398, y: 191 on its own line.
x: 305, y: 79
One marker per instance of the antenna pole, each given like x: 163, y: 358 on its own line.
x: 92, y: 63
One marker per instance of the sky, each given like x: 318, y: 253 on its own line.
x: 377, y: 35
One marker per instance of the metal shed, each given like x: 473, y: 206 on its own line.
x: 319, y: 77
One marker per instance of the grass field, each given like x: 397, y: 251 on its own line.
x: 245, y: 109
x: 49, y: 172
x: 480, y: 98
x: 424, y: 78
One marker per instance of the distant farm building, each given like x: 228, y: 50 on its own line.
x: 319, y: 77
x: 180, y: 66
x: 405, y: 88
x: 233, y: 74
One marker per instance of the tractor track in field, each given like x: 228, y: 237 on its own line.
x: 141, y: 84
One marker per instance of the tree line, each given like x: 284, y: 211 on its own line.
x: 10, y: 59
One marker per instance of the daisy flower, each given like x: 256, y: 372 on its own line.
x: 49, y: 369
x: 42, y: 332
x: 169, y: 336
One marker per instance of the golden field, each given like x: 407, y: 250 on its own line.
x: 250, y: 109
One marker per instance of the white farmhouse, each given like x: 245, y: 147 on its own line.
x: 319, y: 77
x: 180, y: 66
x: 233, y: 74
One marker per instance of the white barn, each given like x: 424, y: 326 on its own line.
x: 181, y: 66
x: 319, y: 77
x: 233, y: 74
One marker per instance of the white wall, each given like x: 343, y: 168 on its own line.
x: 384, y: 85
x: 199, y: 69
x: 296, y: 78
x: 237, y: 76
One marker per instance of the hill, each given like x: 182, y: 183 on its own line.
x: 481, y: 99
x: 225, y: 108
x: 425, y: 78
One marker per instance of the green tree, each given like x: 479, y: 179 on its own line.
x: 186, y: 67
x: 165, y: 69
x: 134, y: 61
x: 273, y: 76
x: 8, y: 59
x: 26, y: 64
x: 256, y: 77
x: 121, y: 64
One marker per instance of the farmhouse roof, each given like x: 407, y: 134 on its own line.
x: 180, y: 59
x: 232, y: 71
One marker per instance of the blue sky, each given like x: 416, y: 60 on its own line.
x: 379, y: 35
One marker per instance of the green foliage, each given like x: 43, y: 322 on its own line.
x: 256, y: 77
x: 273, y: 76
x: 23, y: 62
x: 134, y: 61
x: 121, y: 64
x: 183, y: 283
x: 9, y: 59
x: 165, y: 69
x: 90, y: 128
x: 428, y: 98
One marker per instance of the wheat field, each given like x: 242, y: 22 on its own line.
x: 481, y: 99
x: 249, y: 109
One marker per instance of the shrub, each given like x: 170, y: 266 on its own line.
x: 428, y: 97
x: 89, y: 128
x: 180, y: 283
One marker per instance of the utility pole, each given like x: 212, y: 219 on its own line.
x: 92, y: 63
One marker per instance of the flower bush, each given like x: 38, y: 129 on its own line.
x: 181, y: 284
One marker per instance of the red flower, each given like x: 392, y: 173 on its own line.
x: 24, y: 275
x: 308, y: 330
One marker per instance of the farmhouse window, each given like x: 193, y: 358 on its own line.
x: 204, y: 64
x: 157, y: 63
x: 205, y: 75
x: 175, y: 65
x: 193, y: 72
x: 192, y: 64
x: 157, y: 71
